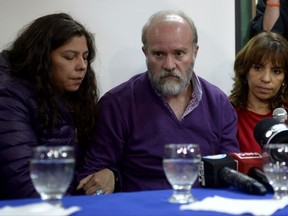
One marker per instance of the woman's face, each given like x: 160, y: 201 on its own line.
x: 264, y: 81
x: 69, y: 64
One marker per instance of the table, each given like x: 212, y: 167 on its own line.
x: 144, y: 203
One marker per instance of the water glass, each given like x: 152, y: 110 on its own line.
x: 181, y: 166
x: 51, y: 171
x: 275, y: 165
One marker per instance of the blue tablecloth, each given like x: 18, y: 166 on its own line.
x: 145, y: 203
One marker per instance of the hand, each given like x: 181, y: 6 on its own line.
x: 102, y: 180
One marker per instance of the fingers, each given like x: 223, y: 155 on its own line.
x: 101, y: 182
x: 108, y: 180
x: 83, y: 182
x: 89, y: 184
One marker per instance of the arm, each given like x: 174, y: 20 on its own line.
x: 268, y: 18
x: 99, y: 170
x: 256, y: 25
x: 271, y: 14
x: 16, y: 139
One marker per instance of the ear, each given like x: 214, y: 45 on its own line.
x: 144, y: 50
x: 196, y: 48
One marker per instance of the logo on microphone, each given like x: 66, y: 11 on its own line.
x: 248, y: 155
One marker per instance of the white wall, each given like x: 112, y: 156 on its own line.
x: 117, y: 26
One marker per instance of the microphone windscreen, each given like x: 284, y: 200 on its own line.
x: 251, y: 164
x: 241, y: 181
x: 280, y: 114
x: 262, y: 127
x: 219, y: 171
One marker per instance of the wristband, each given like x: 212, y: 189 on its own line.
x: 271, y: 4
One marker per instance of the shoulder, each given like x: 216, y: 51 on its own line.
x: 132, y: 87
x: 15, y: 94
x: 129, y: 94
x: 215, y: 99
x: 210, y: 89
x: 11, y: 85
x: 135, y: 80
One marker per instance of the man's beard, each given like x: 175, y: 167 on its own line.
x: 170, y: 83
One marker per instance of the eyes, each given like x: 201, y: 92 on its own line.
x: 74, y: 56
x: 275, y: 70
x: 178, y: 54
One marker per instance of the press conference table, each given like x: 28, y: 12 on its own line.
x: 145, y: 203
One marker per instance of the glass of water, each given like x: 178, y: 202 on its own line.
x: 275, y: 165
x: 181, y: 166
x: 51, y: 171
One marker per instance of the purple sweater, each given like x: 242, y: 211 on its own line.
x: 134, y: 124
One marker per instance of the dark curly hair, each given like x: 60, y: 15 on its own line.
x: 264, y: 46
x: 30, y: 59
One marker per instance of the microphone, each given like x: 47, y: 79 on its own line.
x: 251, y: 164
x: 270, y: 130
x: 280, y: 114
x: 219, y: 171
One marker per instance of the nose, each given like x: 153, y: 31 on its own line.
x: 169, y: 63
x: 82, y: 63
x: 266, y: 77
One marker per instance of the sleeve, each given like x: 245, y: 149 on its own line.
x: 108, y: 138
x: 16, y: 139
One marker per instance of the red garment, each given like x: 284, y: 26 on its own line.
x: 247, y: 121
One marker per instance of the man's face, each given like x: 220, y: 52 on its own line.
x: 170, y: 56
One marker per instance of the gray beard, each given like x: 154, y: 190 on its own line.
x: 170, y: 87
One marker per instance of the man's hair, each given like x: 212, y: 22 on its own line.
x: 162, y: 15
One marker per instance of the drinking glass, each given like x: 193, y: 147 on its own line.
x: 51, y: 171
x: 181, y: 166
x: 275, y: 165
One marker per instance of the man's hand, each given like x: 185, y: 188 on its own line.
x: 102, y: 180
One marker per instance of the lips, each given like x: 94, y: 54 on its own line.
x: 263, y: 89
x: 170, y: 76
x: 77, y: 80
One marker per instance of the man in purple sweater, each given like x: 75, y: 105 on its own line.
x: 167, y: 104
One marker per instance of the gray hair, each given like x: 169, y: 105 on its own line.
x: 162, y: 15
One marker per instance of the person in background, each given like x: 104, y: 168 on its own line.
x: 168, y: 103
x: 271, y: 15
x: 48, y: 96
x: 260, y: 84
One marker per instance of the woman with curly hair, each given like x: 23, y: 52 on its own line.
x: 48, y: 96
x: 260, y: 84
